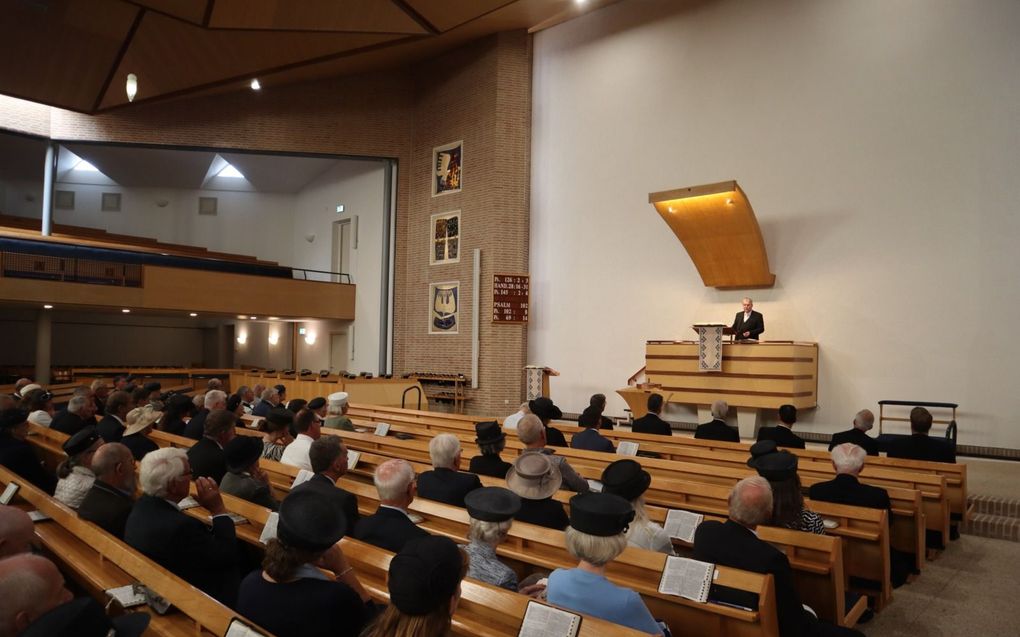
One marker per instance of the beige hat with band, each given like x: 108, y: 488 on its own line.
x: 139, y: 418
x: 534, y: 476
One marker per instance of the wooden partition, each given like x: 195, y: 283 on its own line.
x: 381, y: 391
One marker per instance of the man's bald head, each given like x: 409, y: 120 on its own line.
x: 114, y: 465
x: 17, y: 534
x: 30, y: 586
x: 864, y: 420
x: 751, y: 502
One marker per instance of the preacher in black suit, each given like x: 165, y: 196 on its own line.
x: 206, y: 456
x: 206, y: 558
x: 112, y: 426
x: 919, y: 445
x: 446, y: 483
x: 328, y: 457
x: 748, y: 324
x: 108, y: 503
x: 651, y: 423
x: 733, y: 543
x: 863, y: 421
x: 390, y: 527
x: 717, y: 429
x: 782, y: 433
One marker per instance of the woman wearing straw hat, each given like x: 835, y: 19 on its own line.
x: 535, y: 478
x: 139, y: 423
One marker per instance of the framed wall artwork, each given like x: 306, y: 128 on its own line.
x: 444, y: 307
x: 445, y: 237
x: 448, y: 168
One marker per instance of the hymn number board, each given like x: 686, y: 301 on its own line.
x: 510, y: 298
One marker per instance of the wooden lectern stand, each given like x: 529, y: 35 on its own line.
x: 536, y: 381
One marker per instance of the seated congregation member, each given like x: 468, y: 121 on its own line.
x: 177, y: 408
x: 535, y: 478
x: 919, y: 445
x: 281, y: 391
x: 206, y: 456
x: 780, y: 469
x: 243, y: 478
x: 318, y: 407
x: 213, y: 401
x: 297, y: 405
x: 390, y: 527
x: 491, y: 441
x: 140, y: 422
x: 234, y: 407
x: 214, y: 384
x: 863, y: 422
x: 270, y: 399
x: 491, y: 511
x: 256, y: 392
x: 199, y: 401
x: 112, y: 426
x: 100, y: 391
x: 85, y: 617
x: 734, y: 543
x: 424, y: 586
x: 717, y: 429
x: 596, y: 536
x: 108, y: 503
x: 628, y: 480
x: 76, y: 417
x: 511, y: 421
x: 17, y: 532
x: 276, y: 433
x: 289, y: 595
x: 783, y: 432
x: 446, y: 482
x: 19, y: 388
x: 336, y: 412
x: 75, y: 472
x: 328, y: 456
x: 39, y: 404
x: 546, y: 411
x: 598, y: 402
x: 532, y: 433
x: 204, y: 557
x: 590, y: 439
x: 30, y: 587
x: 18, y: 455
x: 652, y: 423
x: 845, y: 488
x: 308, y: 431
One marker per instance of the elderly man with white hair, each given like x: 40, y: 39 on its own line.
x: 531, y: 433
x: 77, y: 415
x: 214, y: 399
x: 845, y: 488
x: 717, y: 429
x: 446, y: 482
x: 205, y: 557
x: 390, y: 527
x: 268, y: 400
x: 863, y: 421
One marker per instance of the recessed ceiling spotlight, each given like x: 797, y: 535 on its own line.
x: 274, y: 318
x: 131, y: 86
x: 193, y: 314
x: 241, y: 316
x: 47, y: 307
x: 126, y: 311
x: 255, y: 86
x: 253, y: 317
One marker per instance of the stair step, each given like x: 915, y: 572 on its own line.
x: 993, y: 526
x: 1003, y: 507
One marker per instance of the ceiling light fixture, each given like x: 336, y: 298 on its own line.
x: 274, y: 338
x: 241, y: 316
x: 255, y: 86
x: 253, y: 317
x: 310, y: 338
x: 126, y: 311
x: 131, y: 86
x: 193, y: 314
x: 242, y: 338
x: 274, y: 318
x: 47, y: 307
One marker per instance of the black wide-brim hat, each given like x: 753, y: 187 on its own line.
x: 625, y: 478
x: 544, y: 408
x: 602, y: 514
x: 311, y: 520
x: 425, y: 574
x: 492, y: 504
x: 488, y: 432
x: 242, y: 452
x: 316, y: 403
x: 80, y: 441
x: 776, y: 466
x: 761, y: 448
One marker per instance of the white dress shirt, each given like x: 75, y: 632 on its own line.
x: 296, y: 453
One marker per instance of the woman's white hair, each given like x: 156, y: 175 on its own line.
x: 75, y: 404
x: 160, y: 468
x: 595, y: 549
x: 488, y: 532
x: 443, y: 449
x: 848, y: 458
x: 214, y: 397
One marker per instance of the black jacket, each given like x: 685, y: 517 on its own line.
x: 207, y: 460
x: 175, y: 426
x: 348, y: 501
x: 921, y: 447
x: 447, y: 485
x: 490, y: 466
x: 106, y: 506
x: 755, y: 324
x: 847, y: 489
x: 100, y: 406
x: 856, y: 436
x: 206, y: 558
x: 554, y: 437
x: 548, y: 513
x: 19, y: 457
x: 591, y: 440
x: 651, y: 424
x: 110, y: 429
x: 717, y: 430
x: 782, y: 435
x: 69, y: 423
x: 139, y: 445
x: 388, y: 529
x: 195, y: 429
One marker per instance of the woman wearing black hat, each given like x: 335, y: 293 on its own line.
x: 628, y: 480
x: 424, y: 585
x: 596, y: 536
x: 75, y: 473
x: 491, y: 511
x: 290, y: 596
x: 491, y: 441
x: 547, y: 412
x: 176, y: 409
x: 780, y: 469
x: 17, y: 455
x: 243, y: 478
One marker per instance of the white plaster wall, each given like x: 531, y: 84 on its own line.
x: 879, y: 143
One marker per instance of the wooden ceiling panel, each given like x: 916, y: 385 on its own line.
x: 449, y: 14
x: 170, y: 56
x: 368, y: 16
x: 60, y: 52
x: 190, y: 10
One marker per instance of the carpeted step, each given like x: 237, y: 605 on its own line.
x: 1001, y: 507
x: 994, y: 526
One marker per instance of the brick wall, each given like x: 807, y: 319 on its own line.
x: 480, y: 93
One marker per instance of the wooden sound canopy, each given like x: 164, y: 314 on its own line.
x: 717, y: 226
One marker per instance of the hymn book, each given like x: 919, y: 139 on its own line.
x: 382, y: 429
x: 302, y: 477
x: 127, y: 596
x: 187, y: 503
x: 627, y: 448
x: 9, y: 493
x: 38, y: 516
x: 682, y: 524
x: 269, y: 530
x: 545, y: 621
x: 238, y: 628
x: 688, y: 578
x: 352, y: 459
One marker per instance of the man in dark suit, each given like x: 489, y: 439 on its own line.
x: 214, y: 400
x: 748, y: 324
x: 108, y: 503
x: 783, y: 432
x: 651, y: 423
x: 206, y: 456
x: 328, y: 456
x: 863, y: 421
x: 100, y: 391
x: 491, y: 441
x: 205, y: 557
x: 446, y: 483
x: 717, y: 429
x: 390, y: 527
x: 589, y: 438
x: 113, y: 424
x: 598, y: 401
x: 845, y: 488
x: 17, y: 454
x: 919, y: 445
x: 75, y: 417
x: 733, y: 543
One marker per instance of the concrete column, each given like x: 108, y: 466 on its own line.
x: 49, y: 174
x: 43, y: 342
